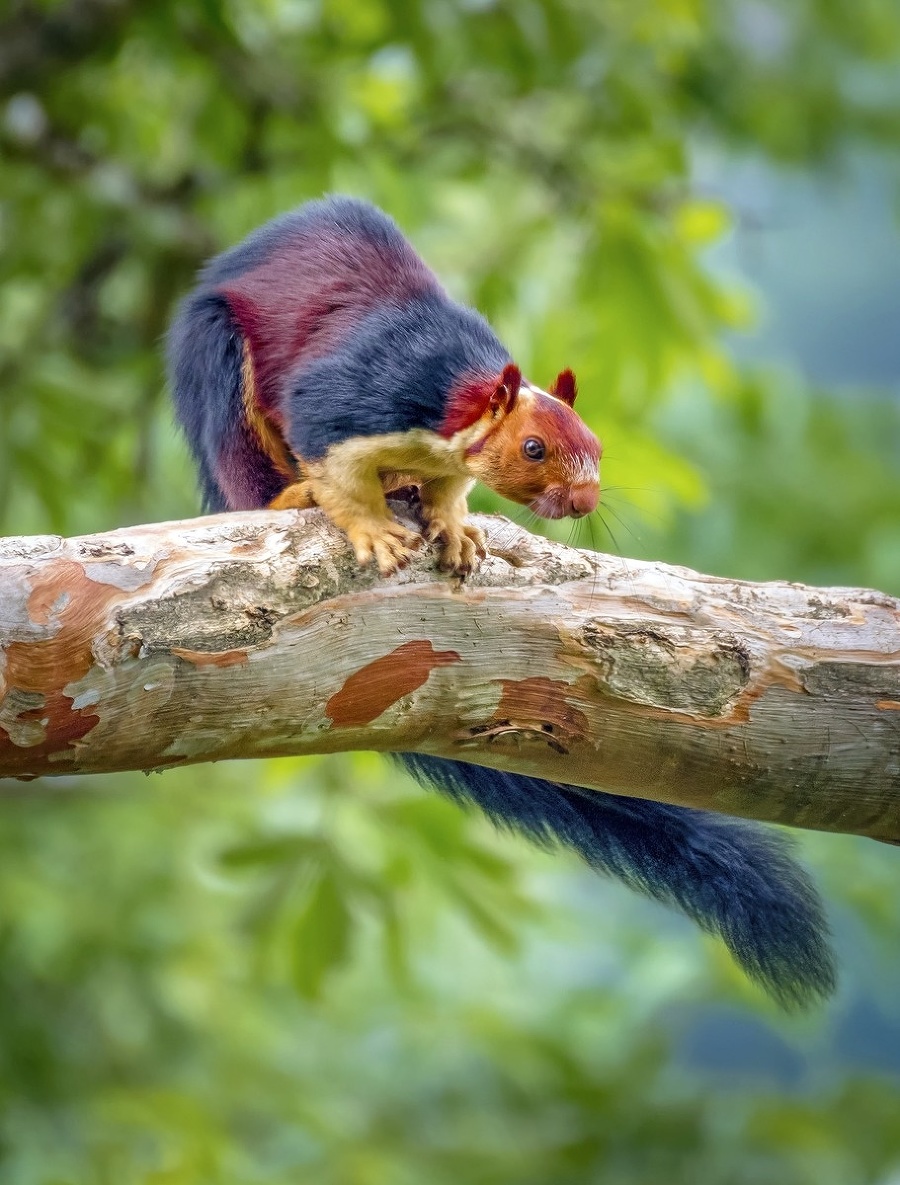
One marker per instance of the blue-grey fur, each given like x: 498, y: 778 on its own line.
x: 392, y: 375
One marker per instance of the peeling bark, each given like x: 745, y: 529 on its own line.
x: 257, y: 635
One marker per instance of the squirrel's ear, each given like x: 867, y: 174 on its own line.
x: 565, y: 387
x: 506, y: 392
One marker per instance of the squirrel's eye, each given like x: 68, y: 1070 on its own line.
x: 533, y: 449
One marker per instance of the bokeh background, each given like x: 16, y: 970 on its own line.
x: 312, y: 971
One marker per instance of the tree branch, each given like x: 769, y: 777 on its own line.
x: 257, y: 635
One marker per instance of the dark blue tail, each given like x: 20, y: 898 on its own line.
x: 733, y: 878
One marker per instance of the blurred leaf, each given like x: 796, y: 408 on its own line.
x: 700, y: 223
x: 270, y: 851
x: 322, y: 934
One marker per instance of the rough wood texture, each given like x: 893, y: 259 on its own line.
x: 257, y: 635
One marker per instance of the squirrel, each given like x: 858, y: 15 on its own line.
x: 338, y: 370
x: 321, y: 363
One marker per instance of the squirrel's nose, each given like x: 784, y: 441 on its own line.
x: 583, y: 499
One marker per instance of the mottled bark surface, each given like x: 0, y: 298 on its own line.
x: 257, y: 634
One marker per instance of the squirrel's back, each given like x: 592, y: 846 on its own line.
x: 298, y: 286
x: 360, y: 245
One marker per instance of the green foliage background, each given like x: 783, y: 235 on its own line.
x: 311, y: 972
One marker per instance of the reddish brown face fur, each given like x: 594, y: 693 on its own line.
x: 543, y: 456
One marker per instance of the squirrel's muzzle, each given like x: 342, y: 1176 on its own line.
x: 583, y: 500
x: 567, y: 501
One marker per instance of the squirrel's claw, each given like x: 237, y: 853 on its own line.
x: 390, y: 544
x: 462, y: 546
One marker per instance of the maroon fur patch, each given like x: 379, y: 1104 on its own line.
x: 568, y: 432
x: 308, y: 297
x: 244, y: 473
x: 466, y: 404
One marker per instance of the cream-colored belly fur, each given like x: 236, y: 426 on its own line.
x: 350, y: 481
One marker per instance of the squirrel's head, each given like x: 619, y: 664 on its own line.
x: 530, y: 445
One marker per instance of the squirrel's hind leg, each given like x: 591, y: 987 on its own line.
x: 297, y: 496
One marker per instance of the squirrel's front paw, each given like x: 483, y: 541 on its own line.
x: 389, y: 544
x: 462, y: 546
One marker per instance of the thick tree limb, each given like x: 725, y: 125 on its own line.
x: 257, y: 635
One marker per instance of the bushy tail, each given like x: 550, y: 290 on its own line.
x: 735, y: 879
